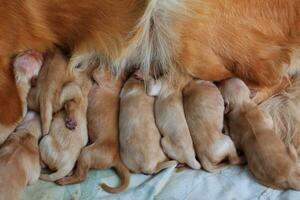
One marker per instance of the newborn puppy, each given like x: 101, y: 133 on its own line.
x: 252, y: 130
x: 19, y: 158
x: 102, y: 117
x: 139, y: 137
x: 170, y: 119
x: 204, y: 111
x: 57, y: 81
x: 26, y: 66
x: 61, y: 147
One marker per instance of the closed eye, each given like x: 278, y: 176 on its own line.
x: 78, y: 66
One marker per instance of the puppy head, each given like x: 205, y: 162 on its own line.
x: 234, y: 92
x: 153, y: 86
x: 132, y: 85
x: 102, y: 75
x: 27, y: 66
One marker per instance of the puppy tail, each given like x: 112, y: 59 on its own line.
x: 56, y: 175
x: 166, y: 164
x: 124, y: 174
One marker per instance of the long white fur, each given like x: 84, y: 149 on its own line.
x: 157, y: 38
x: 152, y: 42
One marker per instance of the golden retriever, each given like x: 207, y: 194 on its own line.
x: 204, y: 111
x: 139, y: 137
x: 103, y: 130
x: 208, y: 39
x: 19, y: 158
x: 272, y: 162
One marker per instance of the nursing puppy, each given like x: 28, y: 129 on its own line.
x: 139, y: 137
x: 170, y: 119
x: 204, y: 111
x: 19, y: 158
x: 103, y: 130
x: 252, y: 130
x: 26, y: 67
x: 61, y: 147
x: 58, y: 82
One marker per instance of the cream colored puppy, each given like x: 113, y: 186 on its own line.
x: 204, y: 111
x: 170, y: 119
x: 61, y: 147
x: 139, y: 137
x: 57, y: 81
x: 19, y: 158
x: 252, y: 130
x: 103, y: 129
x: 26, y: 66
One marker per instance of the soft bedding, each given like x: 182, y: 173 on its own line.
x: 232, y: 183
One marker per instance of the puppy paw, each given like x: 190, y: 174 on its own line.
x: 61, y: 181
x: 182, y: 165
x: 71, y: 124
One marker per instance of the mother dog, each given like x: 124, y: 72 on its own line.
x: 209, y: 39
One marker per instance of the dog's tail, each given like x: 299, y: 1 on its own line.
x: 285, y: 111
x: 60, y: 173
x: 124, y: 174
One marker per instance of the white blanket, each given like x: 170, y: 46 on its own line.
x: 232, y: 183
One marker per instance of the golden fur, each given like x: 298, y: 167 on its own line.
x: 204, y: 111
x: 272, y: 162
x: 103, y: 130
x: 139, y: 137
x: 19, y: 158
x: 25, y: 67
x: 57, y: 83
x: 170, y: 119
x: 61, y: 147
x: 284, y: 109
x: 209, y: 39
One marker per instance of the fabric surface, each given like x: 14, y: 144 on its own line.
x: 232, y: 183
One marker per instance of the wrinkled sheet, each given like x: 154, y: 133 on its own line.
x: 232, y: 183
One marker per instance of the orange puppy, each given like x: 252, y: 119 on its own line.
x: 102, y: 118
x: 61, y: 147
x: 170, y: 119
x: 19, y: 158
x: 139, y: 137
x: 204, y: 111
x: 57, y: 83
x: 252, y: 130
